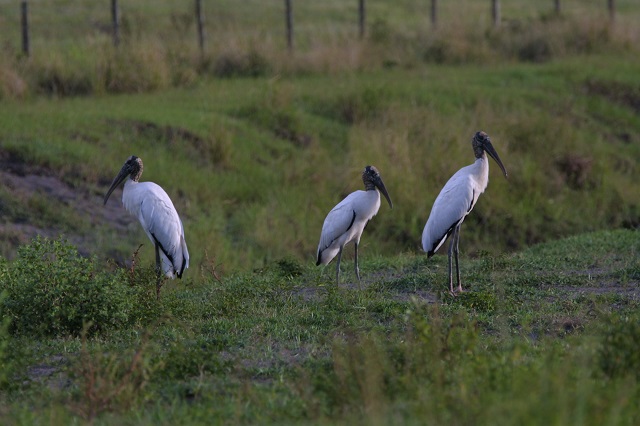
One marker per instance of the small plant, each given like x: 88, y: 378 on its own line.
x: 109, y: 381
x: 620, y: 349
x: 52, y: 290
x: 4, y: 341
x: 289, y: 267
x: 238, y: 64
x: 366, y: 105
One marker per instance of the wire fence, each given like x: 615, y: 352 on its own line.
x: 40, y: 23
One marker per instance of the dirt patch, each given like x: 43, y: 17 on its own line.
x: 23, y: 182
x: 50, y: 373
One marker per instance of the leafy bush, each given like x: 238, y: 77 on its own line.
x: 4, y: 339
x: 52, y: 290
x: 620, y: 349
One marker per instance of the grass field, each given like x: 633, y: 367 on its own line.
x: 255, y: 145
x: 546, y: 335
x: 254, y: 165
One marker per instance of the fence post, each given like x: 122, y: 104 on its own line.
x: 556, y: 6
x: 115, y: 19
x: 362, y: 16
x: 434, y: 13
x: 495, y: 12
x: 200, y: 21
x: 611, y: 5
x: 24, y: 9
x: 289, y: 21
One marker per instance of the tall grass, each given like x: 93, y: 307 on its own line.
x: 159, y: 50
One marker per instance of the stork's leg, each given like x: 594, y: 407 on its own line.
x: 451, y: 244
x: 338, y: 267
x: 357, y: 268
x: 455, y: 241
x: 158, y: 271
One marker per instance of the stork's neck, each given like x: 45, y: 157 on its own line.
x: 481, y: 170
x: 135, y: 176
x: 130, y: 181
x: 369, y: 186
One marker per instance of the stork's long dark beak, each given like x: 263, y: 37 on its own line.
x: 492, y: 152
x: 122, y: 176
x: 380, y: 185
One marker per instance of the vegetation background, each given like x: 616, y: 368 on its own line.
x: 255, y: 144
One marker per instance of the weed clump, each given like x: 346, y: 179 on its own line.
x: 236, y: 64
x: 51, y: 290
x: 620, y: 350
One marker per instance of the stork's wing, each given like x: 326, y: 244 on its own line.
x: 185, y: 252
x: 163, y: 226
x: 337, y: 222
x: 454, y: 202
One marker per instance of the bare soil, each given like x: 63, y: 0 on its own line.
x: 24, y: 182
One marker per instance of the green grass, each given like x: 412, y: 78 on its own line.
x: 255, y: 145
x: 254, y: 165
x: 546, y: 335
x: 73, y: 54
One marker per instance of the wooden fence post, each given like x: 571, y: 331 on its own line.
x: 200, y: 21
x: 611, y: 5
x: 434, y: 13
x: 24, y: 9
x: 115, y: 19
x: 495, y: 12
x: 361, y: 17
x: 289, y: 21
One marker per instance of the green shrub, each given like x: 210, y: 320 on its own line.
x: 135, y: 68
x: 4, y: 337
x: 52, y: 290
x: 620, y: 350
x: 237, y: 64
x: 367, y: 104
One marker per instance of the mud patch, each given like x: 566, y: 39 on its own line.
x: 50, y: 373
x: 25, y: 184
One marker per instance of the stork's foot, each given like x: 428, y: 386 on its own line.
x: 455, y: 292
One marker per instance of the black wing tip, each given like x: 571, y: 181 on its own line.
x: 319, y: 261
x: 430, y: 253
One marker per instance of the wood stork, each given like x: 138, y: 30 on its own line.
x: 346, y: 221
x: 158, y: 217
x: 456, y: 200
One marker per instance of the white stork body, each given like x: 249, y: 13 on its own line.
x: 345, y: 223
x: 455, y: 202
x: 160, y: 221
x: 347, y: 220
x: 158, y: 217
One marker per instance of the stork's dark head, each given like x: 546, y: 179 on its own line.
x: 372, y: 180
x: 132, y: 168
x: 481, y: 143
